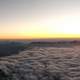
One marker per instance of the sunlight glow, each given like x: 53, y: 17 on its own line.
x: 39, y: 19
x: 56, y: 27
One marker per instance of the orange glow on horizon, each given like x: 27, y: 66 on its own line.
x: 38, y: 36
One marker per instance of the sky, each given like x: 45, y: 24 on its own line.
x: 39, y: 19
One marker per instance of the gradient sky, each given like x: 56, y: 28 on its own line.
x: 39, y: 18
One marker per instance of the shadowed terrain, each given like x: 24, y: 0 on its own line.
x: 8, y: 48
x: 42, y: 63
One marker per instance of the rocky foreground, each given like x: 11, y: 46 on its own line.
x: 42, y: 63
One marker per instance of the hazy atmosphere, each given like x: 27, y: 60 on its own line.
x: 39, y: 39
x: 39, y: 18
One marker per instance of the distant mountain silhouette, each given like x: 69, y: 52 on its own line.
x: 55, y: 44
